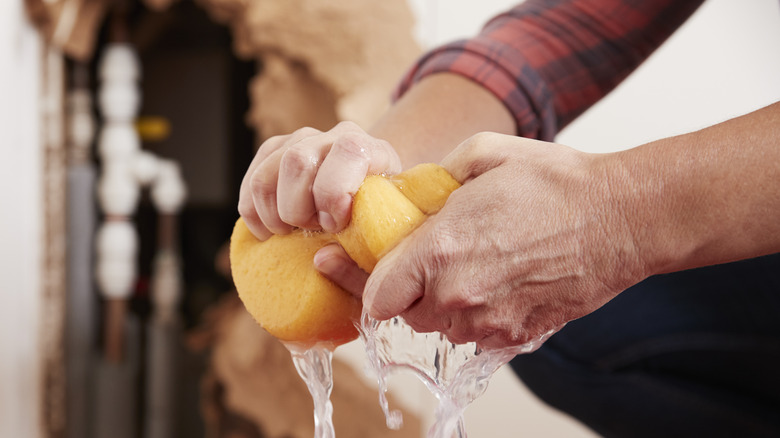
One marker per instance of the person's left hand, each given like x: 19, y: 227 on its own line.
x: 532, y: 240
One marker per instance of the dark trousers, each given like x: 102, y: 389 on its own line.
x: 689, y: 354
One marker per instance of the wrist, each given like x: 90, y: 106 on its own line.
x: 652, y: 209
x: 624, y: 203
x: 437, y: 114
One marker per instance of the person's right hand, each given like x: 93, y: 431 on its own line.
x: 307, y: 179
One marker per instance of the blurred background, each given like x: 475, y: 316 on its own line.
x: 125, y: 130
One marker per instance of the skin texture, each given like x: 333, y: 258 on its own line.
x: 539, y: 234
x: 706, y: 197
x: 563, y: 232
x: 504, y: 268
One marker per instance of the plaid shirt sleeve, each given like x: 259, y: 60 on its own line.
x: 550, y: 60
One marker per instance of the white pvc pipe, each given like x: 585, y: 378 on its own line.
x: 125, y: 170
x: 81, y: 304
x: 118, y: 190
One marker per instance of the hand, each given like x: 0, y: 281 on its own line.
x: 530, y: 241
x: 307, y: 179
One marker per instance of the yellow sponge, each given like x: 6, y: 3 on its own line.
x: 427, y: 185
x: 381, y: 216
x: 278, y: 283
x: 279, y: 286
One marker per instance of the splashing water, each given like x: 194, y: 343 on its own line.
x: 314, y: 365
x: 455, y: 374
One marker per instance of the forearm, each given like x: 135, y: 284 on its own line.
x: 703, y: 198
x: 547, y: 61
x: 440, y: 112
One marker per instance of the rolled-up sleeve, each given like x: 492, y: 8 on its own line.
x: 550, y: 60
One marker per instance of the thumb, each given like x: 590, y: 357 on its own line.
x: 395, y: 283
x: 479, y: 154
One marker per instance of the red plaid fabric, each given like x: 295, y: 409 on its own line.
x: 550, y: 60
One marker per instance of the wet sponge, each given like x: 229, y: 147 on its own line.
x: 279, y: 286
x: 427, y: 185
x: 381, y: 216
x: 278, y: 283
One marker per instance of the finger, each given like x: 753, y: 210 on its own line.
x: 263, y: 184
x: 336, y: 265
x: 352, y: 156
x: 246, y: 205
x: 432, y: 313
x: 493, y: 342
x: 524, y: 341
x: 297, y: 169
x: 423, y: 318
x: 395, y: 284
x: 252, y: 220
x: 461, y: 327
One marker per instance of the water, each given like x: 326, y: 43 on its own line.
x: 314, y: 365
x: 455, y: 374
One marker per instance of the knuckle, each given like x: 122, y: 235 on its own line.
x: 323, y: 191
x: 479, y: 141
x: 326, y: 193
x: 479, y: 153
x: 297, y: 215
x: 246, y: 208
x: 347, y: 125
x: 274, y: 139
x: 422, y: 319
x: 459, y: 334
x: 272, y: 142
x: 325, y: 198
x: 420, y: 325
x: 459, y: 299
x: 351, y: 146
x: 503, y: 333
x: 480, y: 145
x: 262, y: 184
x: 461, y: 296
x: 297, y: 161
x: 306, y: 131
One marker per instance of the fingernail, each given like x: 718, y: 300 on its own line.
x: 323, y: 260
x: 326, y: 222
x: 320, y: 260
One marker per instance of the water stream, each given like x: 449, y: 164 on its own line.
x: 314, y: 365
x: 455, y: 374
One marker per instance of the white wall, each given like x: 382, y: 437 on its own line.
x: 725, y: 61
x: 722, y: 63
x: 443, y: 21
x: 20, y: 224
